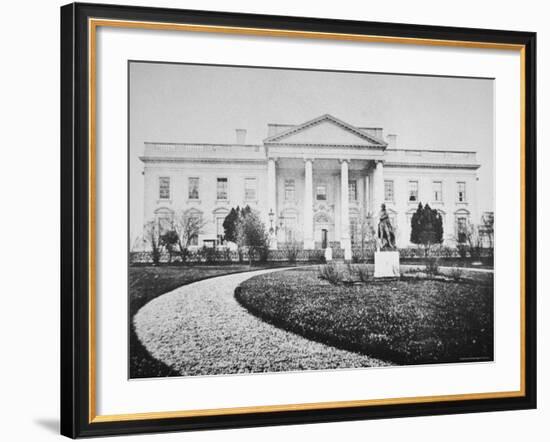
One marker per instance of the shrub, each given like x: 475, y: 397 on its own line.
x: 426, y: 228
x: 456, y: 274
x: 358, y: 255
x: 432, y: 266
x: 329, y: 272
x: 462, y: 250
x: 263, y: 253
x: 291, y: 252
x: 348, y: 276
x: 226, y: 253
x: 208, y: 254
x: 184, y: 255
x: 363, y: 273
x: 446, y: 252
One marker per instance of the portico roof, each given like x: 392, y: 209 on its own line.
x: 326, y: 130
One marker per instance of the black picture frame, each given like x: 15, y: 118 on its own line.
x: 76, y: 248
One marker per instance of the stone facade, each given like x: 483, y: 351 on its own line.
x: 320, y: 180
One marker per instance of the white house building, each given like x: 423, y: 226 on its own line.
x: 319, y: 180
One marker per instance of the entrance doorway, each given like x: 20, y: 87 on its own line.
x: 324, y: 238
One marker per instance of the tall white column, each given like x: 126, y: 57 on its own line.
x: 379, y: 186
x: 272, y: 199
x: 309, y: 242
x: 345, y: 241
x: 367, y: 201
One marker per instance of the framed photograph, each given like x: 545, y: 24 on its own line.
x: 274, y: 220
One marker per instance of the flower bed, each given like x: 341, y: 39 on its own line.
x: 407, y: 321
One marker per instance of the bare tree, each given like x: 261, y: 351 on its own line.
x: 188, y: 226
x: 470, y: 238
x: 366, y: 236
x: 151, y: 234
x: 488, y: 230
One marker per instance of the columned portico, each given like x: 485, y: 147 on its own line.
x: 309, y: 242
x: 345, y: 241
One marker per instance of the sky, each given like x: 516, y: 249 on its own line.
x: 205, y: 104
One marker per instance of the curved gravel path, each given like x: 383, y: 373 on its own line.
x: 200, y: 329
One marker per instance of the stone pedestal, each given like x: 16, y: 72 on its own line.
x: 386, y: 264
x: 347, y: 254
x: 328, y: 254
x: 273, y: 242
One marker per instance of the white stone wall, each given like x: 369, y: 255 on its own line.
x: 400, y: 209
x: 449, y: 205
x: 207, y: 172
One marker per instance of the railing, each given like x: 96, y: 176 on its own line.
x: 203, y: 150
x: 430, y: 156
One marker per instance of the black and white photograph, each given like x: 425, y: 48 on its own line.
x: 288, y: 220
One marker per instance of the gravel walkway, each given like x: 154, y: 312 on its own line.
x: 200, y: 329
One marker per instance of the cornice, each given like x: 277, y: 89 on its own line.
x: 433, y: 166
x: 202, y: 160
x: 324, y: 146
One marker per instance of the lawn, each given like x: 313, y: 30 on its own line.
x: 147, y: 283
x: 406, y: 321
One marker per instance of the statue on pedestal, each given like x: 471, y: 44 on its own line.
x: 386, y: 234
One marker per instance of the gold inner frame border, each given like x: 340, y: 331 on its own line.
x: 93, y: 24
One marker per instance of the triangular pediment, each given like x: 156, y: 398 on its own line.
x: 326, y: 130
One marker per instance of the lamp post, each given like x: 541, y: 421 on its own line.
x: 271, y: 216
x: 272, y: 231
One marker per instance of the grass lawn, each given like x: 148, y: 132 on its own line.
x: 147, y: 283
x: 405, y: 321
x: 483, y: 263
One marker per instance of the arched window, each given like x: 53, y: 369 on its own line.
x: 194, y: 217
x: 462, y: 221
x: 289, y: 224
x: 164, y: 218
x: 219, y: 217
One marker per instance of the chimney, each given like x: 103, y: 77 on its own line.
x: 241, y: 136
x: 391, y: 139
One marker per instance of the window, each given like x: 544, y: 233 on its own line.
x: 388, y: 190
x: 437, y: 191
x: 195, y: 218
x: 193, y: 188
x: 461, y: 228
x: 289, y: 225
x: 461, y: 191
x: 164, y: 223
x: 194, y: 240
x: 221, y: 189
x: 289, y: 190
x: 164, y: 218
x: 209, y: 243
x: 250, y: 189
x: 164, y: 188
x: 321, y: 193
x: 413, y: 191
x: 352, y: 190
